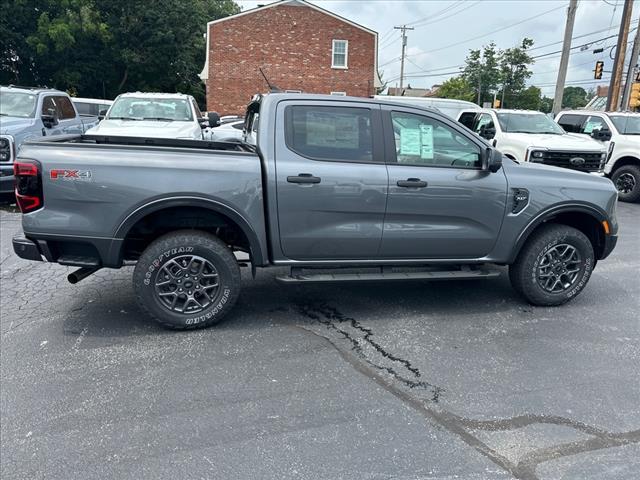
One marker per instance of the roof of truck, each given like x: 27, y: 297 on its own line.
x: 154, y: 95
x: 30, y: 89
x: 598, y: 112
x: 503, y: 110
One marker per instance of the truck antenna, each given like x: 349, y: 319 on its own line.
x: 272, y: 88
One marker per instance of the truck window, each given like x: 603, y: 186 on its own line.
x: 485, y: 121
x: 428, y: 142
x: 467, y: 119
x: 48, y: 106
x: 593, y: 123
x: 64, y: 107
x: 572, y: 123
x: 84, y: 108
x: 329, y: 133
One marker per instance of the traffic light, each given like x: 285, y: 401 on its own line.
x: 634, y: 99
x: 598, y: 71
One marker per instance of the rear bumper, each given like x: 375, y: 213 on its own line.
x: 610, y: 242
x: 27, y: 249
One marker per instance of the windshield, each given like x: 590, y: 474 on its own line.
x: 137, y: 108
x: 17, y: 104
x: 626, y: 124
x: 528, y: 123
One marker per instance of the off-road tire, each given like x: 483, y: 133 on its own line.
x: 170, y: 251
x: 524, y: 272
x: 633, y: 171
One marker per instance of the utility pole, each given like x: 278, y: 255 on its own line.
x: 564, y: 59
x: 633, y: 63
x: 613, y: 97
x: 404, y: 29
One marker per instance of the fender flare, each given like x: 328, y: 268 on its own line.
x: 255, y: 246
x: 568, y: 207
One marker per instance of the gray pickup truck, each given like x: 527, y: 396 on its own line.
x: 337, y: 189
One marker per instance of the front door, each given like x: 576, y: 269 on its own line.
x: 331, y: 180
x: 441, y: 203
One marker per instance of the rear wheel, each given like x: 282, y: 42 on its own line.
x: 187, y: 279
x: 553, y: 266
x: 627, y: 182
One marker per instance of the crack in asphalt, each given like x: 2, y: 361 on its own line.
x: 331, y: 318
x: 525, y: 468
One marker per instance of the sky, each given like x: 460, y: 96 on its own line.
x: 444, y: 31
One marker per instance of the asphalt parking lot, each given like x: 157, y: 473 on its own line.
x: 456, y: 380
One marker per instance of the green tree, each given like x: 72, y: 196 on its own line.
x: 482, y: 70
x: 514, y: 72
x: 546, y: 104
x: 457, y: 88
x: 105, y: 47
x: 527, y: 99
x: 574, y: 97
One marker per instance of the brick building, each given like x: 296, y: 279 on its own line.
x: 299, y: 46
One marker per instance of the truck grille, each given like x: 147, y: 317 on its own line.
x: 593, y: 162
x: 6, y: 149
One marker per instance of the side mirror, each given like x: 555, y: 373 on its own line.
x: 493, y: 160
x: 102, y: 114
x: 214, y: 119
x: 487, y: 133
x: 49, y: 120
x: 602, y: 134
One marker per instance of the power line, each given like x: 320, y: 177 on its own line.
x: 489, y: 33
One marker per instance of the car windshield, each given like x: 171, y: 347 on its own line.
x: 528, y: 123
x: 17, y: 104
x: 160, y: 109
x: 626, y: 124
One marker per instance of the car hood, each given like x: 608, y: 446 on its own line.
x: 143, y: 128
x: 11, y: 125
x: 557, y: 142
x: 554, y: 175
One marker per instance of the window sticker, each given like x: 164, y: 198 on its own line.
x: 426, y: 142
x: 589, y: 126
x: 410, y: 141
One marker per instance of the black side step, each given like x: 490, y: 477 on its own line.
x: 77, y: 261
x: 299, y: 275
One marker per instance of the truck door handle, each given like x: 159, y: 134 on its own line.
x: 411, y: 183
x: 303, y: 178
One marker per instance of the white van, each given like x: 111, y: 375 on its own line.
x: 448, y: 106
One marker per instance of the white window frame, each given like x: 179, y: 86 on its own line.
x: 340, y: 94
x: 346, y: 54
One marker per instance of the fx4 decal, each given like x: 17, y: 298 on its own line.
x: 81, y: 175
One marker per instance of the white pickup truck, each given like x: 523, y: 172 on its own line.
x: 530, y: 136
x: 155, y: 115
x: 619, y: 132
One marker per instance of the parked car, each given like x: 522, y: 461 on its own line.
x: 620, y: 134
x: 530, y: 136
x: 448, y: 106
x: 230, y: 131
x: 32, y: 112
x: 327, y: 187
x: 92, y: 107
x: 154, y: 115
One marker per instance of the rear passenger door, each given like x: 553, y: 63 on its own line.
x: 441, y: 203
x: 331, y: 179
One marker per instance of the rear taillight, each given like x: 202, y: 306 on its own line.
x: 28, y: 185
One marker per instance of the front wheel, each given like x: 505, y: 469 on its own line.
x: 187, y: 279
x: 553, y: 266
x: 627, y: 182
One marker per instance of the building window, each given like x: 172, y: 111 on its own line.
x: 340, y: 94
x: 339, y: 54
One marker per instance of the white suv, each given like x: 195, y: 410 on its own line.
x: 530, y: 136
x: 620, y: 133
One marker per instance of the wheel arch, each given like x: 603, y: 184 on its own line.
x: 216, y: 208
x: 586, y: 218
x: 623, y: 161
